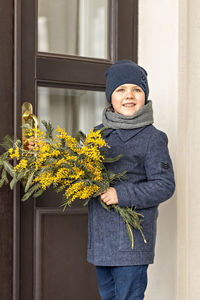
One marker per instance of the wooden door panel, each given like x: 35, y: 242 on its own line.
x: 61, y: 268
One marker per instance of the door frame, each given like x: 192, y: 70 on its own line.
x: 16, y: 133
x: 6, y: 117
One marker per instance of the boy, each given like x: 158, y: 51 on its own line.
x: 121, y: 270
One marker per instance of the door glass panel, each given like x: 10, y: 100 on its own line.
x: 71, y: 109
x: 78, y: 27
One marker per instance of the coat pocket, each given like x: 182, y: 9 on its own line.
x: 149, y: 230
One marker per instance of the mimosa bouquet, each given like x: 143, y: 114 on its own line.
x: 71, y: 165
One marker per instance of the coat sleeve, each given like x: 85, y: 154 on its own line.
x: 159, y: 184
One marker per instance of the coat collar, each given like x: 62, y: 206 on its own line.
x: 124, y: 134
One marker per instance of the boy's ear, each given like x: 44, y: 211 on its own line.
x: 110, y: 107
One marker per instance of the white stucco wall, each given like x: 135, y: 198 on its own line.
x: 158, y: 54
x: 188, y: 160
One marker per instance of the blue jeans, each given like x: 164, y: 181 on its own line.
x: 122, y: 283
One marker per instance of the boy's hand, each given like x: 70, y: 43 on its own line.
x: 109, y: 197
x: 30, y: 143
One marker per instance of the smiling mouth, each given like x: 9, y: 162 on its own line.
x: 128, y: 104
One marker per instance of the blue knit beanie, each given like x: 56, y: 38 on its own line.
x: 123, y: 72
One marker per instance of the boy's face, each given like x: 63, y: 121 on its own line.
x: 127, y: 99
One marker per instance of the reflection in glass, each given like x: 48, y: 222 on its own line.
x: 71, y: 109
x: 78, y: 27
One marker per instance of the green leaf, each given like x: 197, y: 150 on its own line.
x: 4, y: 157
x: 30, y: 192
x: 104, y: 185
x: 130, y: 234
x: 21, y: 175
x: 16, y: 178
x: 9, y: 168
x: 49, y: 129
x: 116, y: 177
x: 29, y: 182
x: 50, y: 160
x: 4, y: 179
x: 1, y: 182
x: 4, y: 176
x: 8, y: 142
x: 103, y: 129
x: 26, y: 126
x: 80, y: 136
x: 104, y: 205
x: 44, y: 170
x: 13, y: 182
x: 112, y: 159
x: 38, y: 193
x: 66, y: 165
x: 86, y: 201
x: 79, y: 158
x: 18, y: 143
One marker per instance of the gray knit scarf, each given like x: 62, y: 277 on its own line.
x: 143, y: 117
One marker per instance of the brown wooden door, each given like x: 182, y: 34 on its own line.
x: 50, y: 245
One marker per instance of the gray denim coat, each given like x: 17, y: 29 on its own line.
x: 150, y: 181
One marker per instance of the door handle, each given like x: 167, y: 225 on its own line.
x: 28, y: 118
